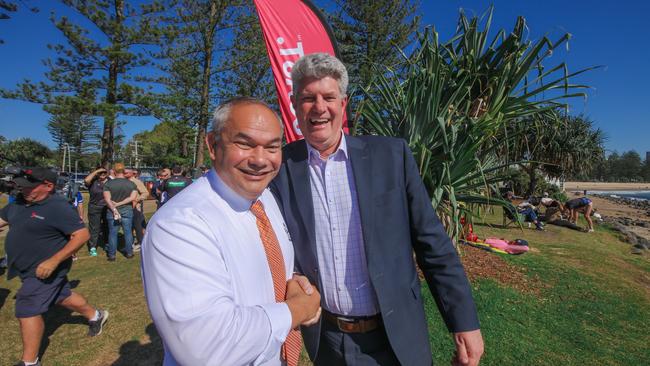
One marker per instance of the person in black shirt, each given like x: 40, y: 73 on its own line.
x: 120, y: 195
x: 156, y: 190
x: 176, y: 183
x: 97, y: 210
x: 44, y: 232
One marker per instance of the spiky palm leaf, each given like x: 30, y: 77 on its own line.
x: 451, y: 101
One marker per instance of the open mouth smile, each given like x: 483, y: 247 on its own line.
x: 254, y: 175
x: 318, y: 121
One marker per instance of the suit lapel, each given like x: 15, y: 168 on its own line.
x: 362, y: 170
x: 298, y: 168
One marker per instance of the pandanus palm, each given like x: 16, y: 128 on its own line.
x: 451, y: 101
x: 555, y: 144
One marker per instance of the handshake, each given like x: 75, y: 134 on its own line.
x: 303, y: 301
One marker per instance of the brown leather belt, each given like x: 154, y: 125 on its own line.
x: 353, y: 324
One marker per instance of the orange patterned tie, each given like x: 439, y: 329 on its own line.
x: 293, y: 343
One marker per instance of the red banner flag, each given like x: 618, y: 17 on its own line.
x: 292, y: 29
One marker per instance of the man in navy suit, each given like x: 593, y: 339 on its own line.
x: 356, y: 209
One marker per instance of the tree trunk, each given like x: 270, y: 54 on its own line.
x: 184, y: 147
x: 532, y: 183
x: 110, y: 112
x: 205, y: 87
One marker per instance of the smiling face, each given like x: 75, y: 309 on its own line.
x: 248, y: 154
x: 319, y: 107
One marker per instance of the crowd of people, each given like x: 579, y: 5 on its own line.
x: 116, y: 200
x: 47, y: 228
x: 274, y: 246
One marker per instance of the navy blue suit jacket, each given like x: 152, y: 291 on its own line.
x: 397, y: 218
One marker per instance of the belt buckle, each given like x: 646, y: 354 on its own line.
x: 345, y: 324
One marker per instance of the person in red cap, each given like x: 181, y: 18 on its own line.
x: 44, y: 233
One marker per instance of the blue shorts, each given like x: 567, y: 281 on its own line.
x: 36, y: 296
x: 578, y: 203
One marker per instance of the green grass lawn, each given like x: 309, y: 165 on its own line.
x: 592, y: 309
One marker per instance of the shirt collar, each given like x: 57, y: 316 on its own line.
x: 342, y: 149
x: 234, y: 200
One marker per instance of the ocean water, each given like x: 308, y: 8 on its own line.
x: 640, y: 195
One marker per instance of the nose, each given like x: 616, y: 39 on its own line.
x: 320, y: 105
x: 257, y: 159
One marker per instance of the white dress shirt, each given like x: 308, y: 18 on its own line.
x: 347, y: 289
x: 207, y: 280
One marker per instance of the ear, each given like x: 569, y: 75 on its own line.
x: 210, y: 141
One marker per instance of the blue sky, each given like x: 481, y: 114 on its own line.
x: 608, y: 33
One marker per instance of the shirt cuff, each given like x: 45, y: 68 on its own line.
x: 280, y: 321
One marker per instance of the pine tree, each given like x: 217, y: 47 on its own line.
x: 73, y: 126
x: 101, y: 61
x: 371, y: 33
x: 190, y: 59
x: 247, y: 70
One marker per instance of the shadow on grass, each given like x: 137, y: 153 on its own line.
x: 55, y: 318
x: 136, y: 353
x: 4, y: 294
x: 497, y: 225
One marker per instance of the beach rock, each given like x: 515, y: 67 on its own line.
x: 636, y: 251
x: 628, y: 235
x: 620, y: 227
x: 640, y: 246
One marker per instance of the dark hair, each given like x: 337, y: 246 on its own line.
x: 177, y: 169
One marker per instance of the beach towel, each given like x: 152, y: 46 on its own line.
x: 498, y: 245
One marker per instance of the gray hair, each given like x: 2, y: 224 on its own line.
x: 318, y: 66
x: 221, y: 115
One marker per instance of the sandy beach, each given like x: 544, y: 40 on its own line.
x: 600, y: 186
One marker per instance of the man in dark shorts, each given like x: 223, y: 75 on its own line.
x: 119, y: 194
x: 576, y: 205
x: 44, y: 232
x: 97, y: 209
x: 176, y: 183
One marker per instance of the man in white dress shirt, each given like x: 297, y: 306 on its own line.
x: 207, y: 279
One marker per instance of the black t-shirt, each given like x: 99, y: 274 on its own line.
x: 174, y: 185
x: 96, y: 191
x: 120, y: 188
x: 36, y: 232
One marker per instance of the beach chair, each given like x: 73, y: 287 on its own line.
x: 509, y: 219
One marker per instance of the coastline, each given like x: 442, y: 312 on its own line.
x: 629, y: 217
x: 606, y: 186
